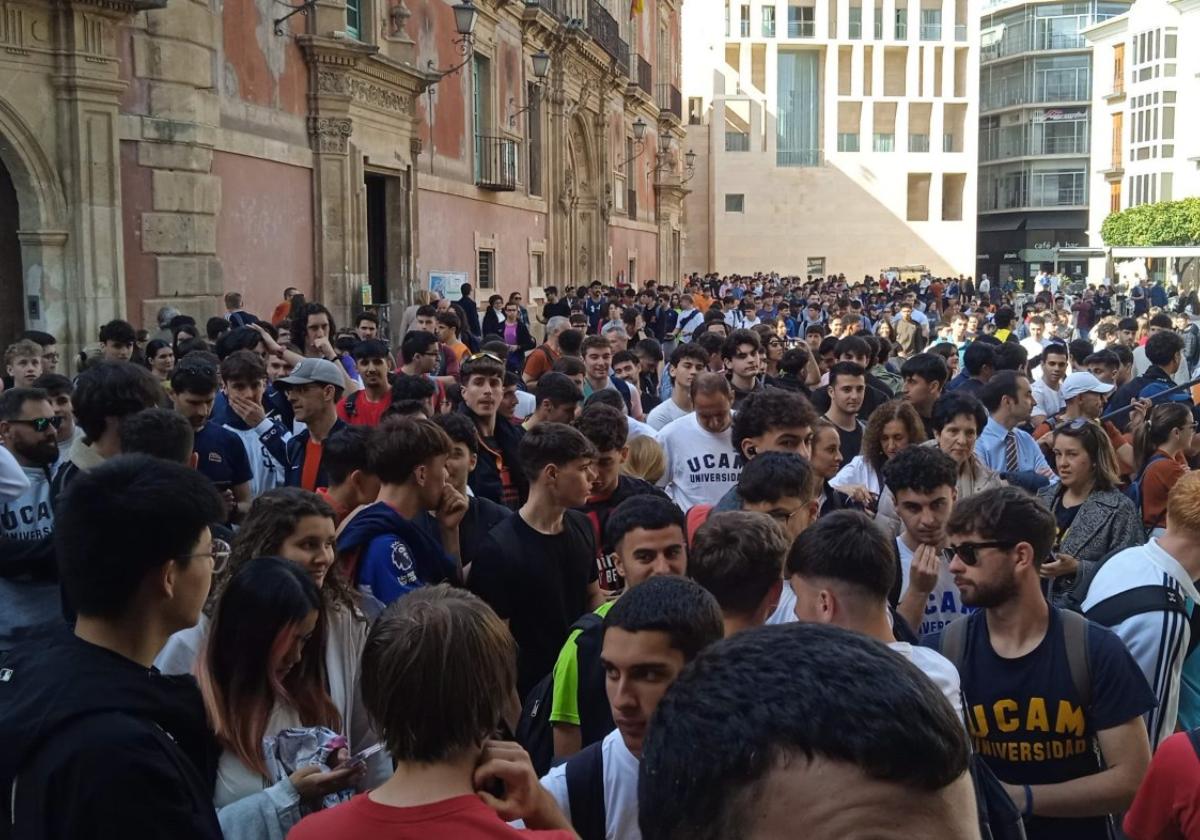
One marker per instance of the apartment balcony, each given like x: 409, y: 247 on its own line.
x: 931, y: 32
x: 497, y: 163
x: 645, y: 76
x: 606, y: 32
x: 566, y: 11
x: 669, y: 100
x: 960, y: 32
x: 798, y: 157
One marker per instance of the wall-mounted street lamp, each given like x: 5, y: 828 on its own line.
x: 689, y: 161
x: 541, y: 68
x: 465, y: 16
x: 639, y: 132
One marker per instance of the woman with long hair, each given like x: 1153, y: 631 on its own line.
x: 1160, y: 447
x: 826, y: 461
x: 1094, y: 518
x: 253, y: 687
x: 774, y: 347
x: 160, y: 359
x: 892, y: 426
x: 297, y: 525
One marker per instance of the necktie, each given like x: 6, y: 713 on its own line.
x: 1011, y: 463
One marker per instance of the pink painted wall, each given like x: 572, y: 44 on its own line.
x: 622, y: 240
x: 264, y: 232
x: 446, y: 238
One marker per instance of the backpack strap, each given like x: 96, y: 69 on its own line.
x: 1141, y: 599
x: 585, y: 792
x: 352, y: 405
x: 953, y: 644
x: 1075, y: 629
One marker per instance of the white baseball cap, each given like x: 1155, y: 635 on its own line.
x: 1083, y: 383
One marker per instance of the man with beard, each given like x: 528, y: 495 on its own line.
x: 221, y: 456
x: 28, y: 593
x: 1043, y: 687
x: 365, y: 406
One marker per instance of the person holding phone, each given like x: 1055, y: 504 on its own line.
x: 1094, y: 518
x: 299, y: 526
x: 254, y: 683
x: 457, y: 662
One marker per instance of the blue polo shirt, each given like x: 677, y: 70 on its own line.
x: 222, y: 456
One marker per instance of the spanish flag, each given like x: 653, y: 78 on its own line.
x: 635, y: 7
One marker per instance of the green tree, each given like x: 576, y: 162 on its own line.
x: 1164, y: 223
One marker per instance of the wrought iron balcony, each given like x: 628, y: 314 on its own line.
x: 497, y: 163
x: 669, y: 99
x: 645, y: 76
x: 567, y: 11
x: 607, y: 33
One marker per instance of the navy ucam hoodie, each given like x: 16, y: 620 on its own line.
x: 394, y: 555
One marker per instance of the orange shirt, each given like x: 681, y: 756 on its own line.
x: 312, y: 463
x: 1157, y: 482
x: 540, y: 361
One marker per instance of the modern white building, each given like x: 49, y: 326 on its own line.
x: 1035, y: 95
x: 1147, y: 65
x: 831, y: 135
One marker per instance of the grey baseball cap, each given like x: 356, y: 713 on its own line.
x: 314, y: 370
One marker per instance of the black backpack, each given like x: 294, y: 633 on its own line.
x: 585, y: 792
x: 534, y: 731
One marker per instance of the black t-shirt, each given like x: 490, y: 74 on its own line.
x: 1064, y: 516
x: 559, y: 307
x: 851, y: 442
x: 1026, y: 719
x: 539, y: 583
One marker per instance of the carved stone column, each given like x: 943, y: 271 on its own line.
x: 339, y: 243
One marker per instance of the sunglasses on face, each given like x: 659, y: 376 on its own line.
x: 969, y: 551
x: 41, y: 424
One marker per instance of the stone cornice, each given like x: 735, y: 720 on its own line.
x: 337, y: 52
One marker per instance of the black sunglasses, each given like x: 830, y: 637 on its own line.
x: 41, y: 424
x: 967, y: 551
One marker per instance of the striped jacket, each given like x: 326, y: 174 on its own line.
x: 1157, y: 640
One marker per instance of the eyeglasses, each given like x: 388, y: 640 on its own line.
x: 486, y: 354
x: 783, y: 517
x: 968, y: 551
x: 219, y: 553
x: 41, y: 424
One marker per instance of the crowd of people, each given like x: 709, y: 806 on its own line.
x: 881, y: 558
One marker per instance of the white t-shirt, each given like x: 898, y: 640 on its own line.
x: 785, y: 612
x: 701, y: 466
x: 858, y: 471
x: 937, y: 667
x: 945, y: 603
x: 1046, y: 400
x: 620, y: 789
x: 1157, y: 640
x: 13, y: 481
x: 639, y: 429
x: 1033, y: 346
x: 664, y: 413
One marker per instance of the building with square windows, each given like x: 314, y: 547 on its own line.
x: 1147, y: 81
x: 1035, y: 95
x: 830, y: 135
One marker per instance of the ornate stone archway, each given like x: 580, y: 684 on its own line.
x: 47, y: 278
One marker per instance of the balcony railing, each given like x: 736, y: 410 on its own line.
x: 960, y: 32
x: 669, y: 99
x: 565, y: 10
x: 497, y: 163
x: 737, y: 141
x: 645, y: 76
x: 931, y: 32
x: 798, y: 157
x: 801, y: 28
x: 607, y: 33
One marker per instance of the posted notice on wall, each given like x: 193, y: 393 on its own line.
x: 448, y: 284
